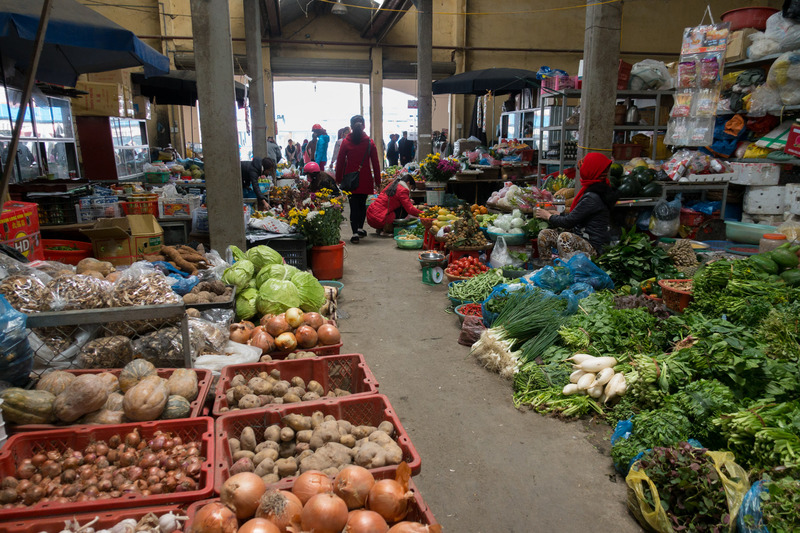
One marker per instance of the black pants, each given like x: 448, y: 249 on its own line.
x: 400, y: 213
x: 358, y: 211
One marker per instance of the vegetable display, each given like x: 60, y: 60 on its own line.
x: 286, y: 332
x: 477, y: 288
x: 466, y: 232
x: 466, y: 267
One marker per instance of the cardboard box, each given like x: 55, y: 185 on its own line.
x: 141, y: 107
x: 103, y: 100
x: 120, y: 76
x: 123, y: 241
x: 738, y: 42
x: 793, y: 141
x: 18, y: 219
x: 28, y: 245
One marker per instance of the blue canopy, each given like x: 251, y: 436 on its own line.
x: 78, y: 40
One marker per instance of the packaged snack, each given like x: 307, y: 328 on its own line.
x: 687, y: 75
x: 709, y: 72
x: 706, y: 103
x: 683, y: 105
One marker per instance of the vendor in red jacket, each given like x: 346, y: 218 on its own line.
x: 394, y: 202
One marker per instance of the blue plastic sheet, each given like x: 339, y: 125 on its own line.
x: 16, y: 354
x: 584, y: 270
x: 751, y: 506
x: 553, y: 279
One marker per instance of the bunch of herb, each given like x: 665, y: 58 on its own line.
x: 780, y: 332
x: 624, y: 409
x: 703, y: 401
x: 552, y: 401
x: 534, y: 378
x: 605, y: 330
x: 666, y: 426
x: 689, y: 488
x: 535, y: 225
x: 634, y: 259
x: 780, y: 505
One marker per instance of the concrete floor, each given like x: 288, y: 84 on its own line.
x: 486, y: 466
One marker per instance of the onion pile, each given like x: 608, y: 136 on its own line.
x: 287, y: 332
x: 312, y: 507
x: 126, y: 464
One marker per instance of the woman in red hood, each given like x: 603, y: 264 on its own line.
x: 588, y: 219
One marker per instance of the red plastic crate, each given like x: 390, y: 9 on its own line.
x: 347, y: 372
x: 418, y: 510
x: 107, y: 519
x: 26, y: 445
x: 204, y: 379
x: 366, y: 410
x: 692, y: 218
x: 331, y: 349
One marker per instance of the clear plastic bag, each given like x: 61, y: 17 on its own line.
x: 221, y: 317
x: 77, y: 291
x: 791, y: 229
x: 214, y: 337
x: 762, y: 46
x: 233, y: 353
x: 785, y: 32
x: 16, y: 355
x: 27, y: 294
x: 164, y: 348
x: 650, y: 74
x: 106, y: 352
x: 142, y: 284
x: 501, y: 257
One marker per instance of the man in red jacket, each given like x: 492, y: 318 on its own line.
x: 394, y: 202
x: 358, y: 154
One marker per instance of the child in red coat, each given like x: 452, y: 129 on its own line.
x: 394, y: 202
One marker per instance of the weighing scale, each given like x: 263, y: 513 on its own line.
x: 431, y: 263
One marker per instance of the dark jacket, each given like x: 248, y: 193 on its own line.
x: 591, y: 216
x: 251, y: 171
x: 405, y: 147
x: 324, y: 181
x: 392, y: 153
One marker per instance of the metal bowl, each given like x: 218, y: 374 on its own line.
x: 433, y: 257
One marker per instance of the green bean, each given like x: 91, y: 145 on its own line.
x: 477, y: 288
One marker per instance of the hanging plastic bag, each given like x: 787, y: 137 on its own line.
x: 584, y: 270
x: 501, y: 257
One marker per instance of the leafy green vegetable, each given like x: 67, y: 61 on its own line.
x: 551, y: 401
x: 703, y: 401
x: 780, y: 502
x: 780, y: 332
x: 276, y: 296
x: 635, y: 259
x: 311, y: 292
x: 262, y: 256
x: 238, y: 274
x: 534, y: 378
x: 666, y: 426
x: 535, y: 225
x: 246, y: 304
x: 281, y: 272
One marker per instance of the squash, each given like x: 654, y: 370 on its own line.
x: 22, y: 406
x: 114, y: 402
x: 183, y: 382
x: 146, y: 399
x: 110, y: 381
x: 86, y: 393
x: 177, y: 407
x: 55, y: 382
x: 105, y: 417
x: 134, y: 372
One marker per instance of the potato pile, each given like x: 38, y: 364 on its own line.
x: 316, y: 442
x: 269, y: 388
x: 266, y: 358
x: 207, y: 292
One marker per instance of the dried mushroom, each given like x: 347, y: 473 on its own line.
x: 81, y: 292
x: 27, y: 294
x: 164, y: 348
x: 107, y: 352
x: 150, y: 289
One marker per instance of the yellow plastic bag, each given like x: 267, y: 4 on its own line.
x: 655, y: 519
x: 756, y: 152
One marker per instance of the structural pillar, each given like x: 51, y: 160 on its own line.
x: 424, y: 76
x: 457, y: 122
x: 376, y: 100
x: 213, y: 51
x: 252, y: 34
x: 600, y: 63
x: 269, y: 95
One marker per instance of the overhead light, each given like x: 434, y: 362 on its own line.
x: 339, y: 8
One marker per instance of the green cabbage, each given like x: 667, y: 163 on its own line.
x: 282, y: 272
x: 246, y: 304
x: 311, y: 292
x: 262, y: 256
x: 276, y: 296
x: 239, y: 274
x: 238, y: 255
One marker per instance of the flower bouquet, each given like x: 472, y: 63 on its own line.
x: 320, y: 220
x: 438, y: 169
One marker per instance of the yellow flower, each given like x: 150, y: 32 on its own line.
x: 322, y: 212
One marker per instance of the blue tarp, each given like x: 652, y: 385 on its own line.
x: 78, y: 40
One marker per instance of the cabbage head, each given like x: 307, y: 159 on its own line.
x: 237, y: 253
x: 276, y: 296
x: 311, y: 292
x: 246, y: 304
x: 262, y: 256
x: 239, y: 274
x: 282, y: 272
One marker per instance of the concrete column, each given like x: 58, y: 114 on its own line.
x: 424, y: 77
x: 252, y: 34
x: 376, y: 100
x: 600, y: 64
x: 214, y: 64
x: 269, y: 95
x: 458, y: 127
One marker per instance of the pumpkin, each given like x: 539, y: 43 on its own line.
x: 22, y: 406
x: 114, y: 402
x: 183, y: 382
x: 146, y: 399
x: 105, y: 417
x: 110, y: 381
x: 134, y: 372
x: 55, y: 382
x: 177, y: 407
x: 86, y: 393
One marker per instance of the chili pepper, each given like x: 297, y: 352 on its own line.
x: 473, y: 309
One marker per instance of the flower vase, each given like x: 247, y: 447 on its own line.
x: 327, y: 262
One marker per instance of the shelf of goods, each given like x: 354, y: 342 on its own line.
x: 696, y: 187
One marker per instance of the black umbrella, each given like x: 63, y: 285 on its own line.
x: 179, y: 87
x: 496, y: 80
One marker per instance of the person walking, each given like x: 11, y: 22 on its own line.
x: 290, y: 152
x: 273, y: 150
x: 392, y: 152
x: 321, y: 150
x: 358, y: 154
x: 406, y: 148
x: 311, y: 149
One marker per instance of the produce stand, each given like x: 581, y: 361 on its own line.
x: 105, y: 519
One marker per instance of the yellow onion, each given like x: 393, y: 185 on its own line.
x: 324, y: 513
x: 242, y: 493
x: 388, y: 498
x: 352, y: 484
x: 214, y: 518
x: 310, y: 484
x: 258, y: 525
x: 280, y: 507
x: 362, y: 521
x: 415, y: 527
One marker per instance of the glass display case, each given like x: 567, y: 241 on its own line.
x: 47, y: 143
x: 113, y: 148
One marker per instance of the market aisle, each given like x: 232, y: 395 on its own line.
x: 486, y: 467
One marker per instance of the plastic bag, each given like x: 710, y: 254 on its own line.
x: 233, y: 353
x: 657, y: 519
x: 581, y: 290
x: 751, y: 507
x: 16, y: 354
x: 471, y: 330
x: 762, y: 46
x: 142, y: 284
x: 784, y: 75
x: 214, y: 336
x: 27, y: 294
x: 785, y: 32
x: 650, y: 74
x: 164, y: 348
x: 666, y: 220
x: 763, y: 100
x: 501, y: 257
x: 501, y: 291
x: 222, y: 317
x: 74, y: 292
x: 585, y: 271
x: 553, y: 279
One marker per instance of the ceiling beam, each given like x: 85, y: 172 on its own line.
x: 385, y: 18
x: 271, y: 18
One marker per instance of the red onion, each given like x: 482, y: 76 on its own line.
x: 133, y: 439
x: 328, y: 334
x: 101, y: 448
x: 306, y: 337
x: 313, y: 319
x: 26, y: 469
x: 38, y: 459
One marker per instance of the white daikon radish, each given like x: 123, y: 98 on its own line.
x: 578, y: 358
x: 595, y: 392
x: 575, y: 376
x: 597, y: 364
x: 585, y: 381
x: 569, y: 389
x: 612, y: 386
x: 603, y: 377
